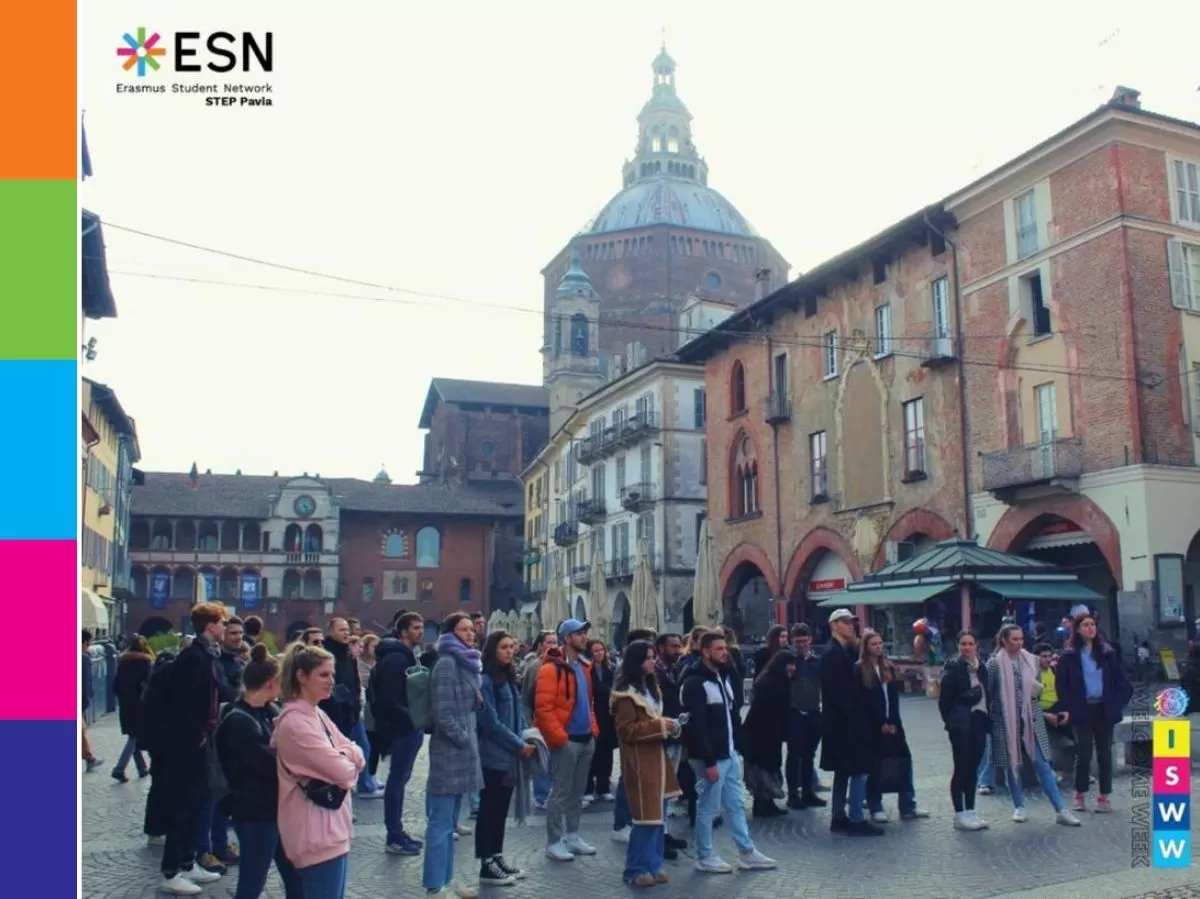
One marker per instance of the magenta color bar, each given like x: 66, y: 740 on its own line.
x: 42, y: 576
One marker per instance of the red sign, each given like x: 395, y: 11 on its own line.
x: 1061, y: 526
x: 829, y: 585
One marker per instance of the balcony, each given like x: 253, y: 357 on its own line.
x: 305, y: 558
x: 637, y: 496
x: 637, y: 426
x: 589, y: 448
x: 566, y: 533
x: 592, y: 511
x: 778, y: 407
x: 937, y: 351
x: 1055, y: 464
x: 620, y: 568
x: 580, y: 574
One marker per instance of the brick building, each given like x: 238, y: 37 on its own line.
x: 1058, y: 297
x: 299, y: 550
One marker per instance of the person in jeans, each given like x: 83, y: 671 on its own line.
x: 529, y: 671
x: 845, y: 730
x: 563, y: 713
x: 963, y: 704
x: 455, y: 692
x: 90, y: 758
x: 251, y: 770
x: 133, y: 671
x: 501, y: 722
x: 394, y: 726
x: 711, y: 735
x: 1018, y: 725
x: 1093, y: 691
x: 646, y: 770
x: 804, y: 724
x: 308, y: 747
x: 181, y: 760
x: 622, y: 819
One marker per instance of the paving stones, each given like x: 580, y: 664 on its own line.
x: 921, y: 859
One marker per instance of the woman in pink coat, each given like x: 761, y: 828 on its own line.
x: 318, y: 768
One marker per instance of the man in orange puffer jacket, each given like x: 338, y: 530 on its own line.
x: 564, y: 713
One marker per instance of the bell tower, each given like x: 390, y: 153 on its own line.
x: 571, y: 360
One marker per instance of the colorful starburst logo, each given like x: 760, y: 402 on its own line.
x: 1171, y: 703
x: 140, y: 51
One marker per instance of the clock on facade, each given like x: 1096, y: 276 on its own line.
x: 305, y: 506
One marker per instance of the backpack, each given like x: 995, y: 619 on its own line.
x: 158, y: 708
x: 420, y: 702
x: 218, y: 784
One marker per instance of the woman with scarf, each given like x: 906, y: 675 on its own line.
x: 1018, y: 723
x: 765, y: 732
x: 963, y: 704
x: 501, y: 748
x: 599, y: 785
x: 1093, y: 691
x: 648, y: 774
x: 456, y: 696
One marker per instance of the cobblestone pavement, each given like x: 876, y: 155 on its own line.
x: 921, y: 860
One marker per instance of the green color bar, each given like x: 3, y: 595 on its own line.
x: 39, y: 227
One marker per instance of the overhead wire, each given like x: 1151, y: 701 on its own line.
x: 748, y: 335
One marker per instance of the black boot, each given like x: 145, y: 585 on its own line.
x: 812, y: 800
x: 797, y: 802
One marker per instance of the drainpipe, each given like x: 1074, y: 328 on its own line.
x: 762, y: 276
x: 963, y: 417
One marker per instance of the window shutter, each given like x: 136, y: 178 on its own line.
x: 1195, y: 391
x: 1175, y: 265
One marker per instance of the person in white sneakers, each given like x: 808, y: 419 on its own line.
x: 1018, y: 724
x: 963, y: 703
x: 710, y: 734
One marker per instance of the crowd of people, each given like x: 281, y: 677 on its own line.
x: 271, y: 747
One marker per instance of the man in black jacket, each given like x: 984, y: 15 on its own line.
x: 180, y: 760
x: 388, y: 695
x: 232, y: 660
x: 845, y: 730
x: 344, y: 705
x: 804, y: 723
x: 711, y: 736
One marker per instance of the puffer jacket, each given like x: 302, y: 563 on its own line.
x: 554, y: 698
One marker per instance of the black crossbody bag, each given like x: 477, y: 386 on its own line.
x: 320, y: 793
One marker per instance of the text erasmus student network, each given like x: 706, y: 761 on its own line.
x: 145, y: 55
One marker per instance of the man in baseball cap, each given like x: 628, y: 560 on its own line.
x: 573, y: 626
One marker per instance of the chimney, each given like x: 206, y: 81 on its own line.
x: 762, y: 280
x: 1126, y: 96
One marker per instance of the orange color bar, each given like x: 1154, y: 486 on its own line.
x: 39, y: 110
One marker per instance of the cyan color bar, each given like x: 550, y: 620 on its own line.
x: 39, y: 452
x: 1171, y: 849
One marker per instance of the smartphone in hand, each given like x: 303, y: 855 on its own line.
x: 683, y: 719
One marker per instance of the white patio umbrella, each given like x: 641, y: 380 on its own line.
x: 643, y: 601
x: 598, y: 598
x: 706, y: 600
x: 556, y: 606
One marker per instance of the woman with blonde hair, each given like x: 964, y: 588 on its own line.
x: 318, y: 768
x: 890, y: 755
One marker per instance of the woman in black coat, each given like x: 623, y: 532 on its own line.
x: 133, y: 671
x: 845, y: 730
x: 890, y: 755
x: 599, y: 785
x: 963, y: 703
x: 765, y: 731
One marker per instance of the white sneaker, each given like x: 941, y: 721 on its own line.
x: 608, y: 797
x: 966, y: 821
x: 462, y: 891
x: 1067, y: 819
x: 464, y: 830
x: 575, y: 844
x: 755, y: 861
x: 588, y: 797
x: 199, y: 875
x: 559, y: 852
x: 879, y: 817
x: 714, y: 864
x: 983, y: 825
x: 179, y: 886
x: 622, y: 835
x: 1019, y: 816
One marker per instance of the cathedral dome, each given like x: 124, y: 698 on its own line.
x: 669, y: 200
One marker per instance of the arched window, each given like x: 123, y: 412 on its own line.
x: 395, y: 545
x: 656, y: 142
x: 673, y: 140
x: 737, y: 389
x: 429, y: 548
x: 579, y: 334
x: 743, y: 482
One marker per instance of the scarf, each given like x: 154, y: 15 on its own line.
x: 466, y: 656
x: 1013, y: 706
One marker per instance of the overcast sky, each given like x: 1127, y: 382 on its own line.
x: 450, y: 153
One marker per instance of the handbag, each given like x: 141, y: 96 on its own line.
x: 321, y: 793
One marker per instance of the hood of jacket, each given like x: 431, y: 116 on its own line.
x: 390, y: 646
x: 628, y: 694
x: 132, y: 655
